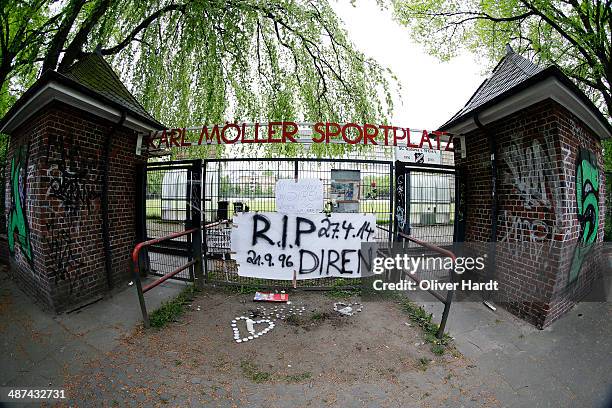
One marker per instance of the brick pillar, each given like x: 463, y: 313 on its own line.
x: 54, y: 210
x: 546, y: 160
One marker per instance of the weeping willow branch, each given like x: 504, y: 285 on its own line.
x: 204, y: 61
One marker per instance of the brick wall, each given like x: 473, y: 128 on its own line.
x: 579, y: 266
x: 63, y: 194
x: 27, y: 258
x: 537, y: 223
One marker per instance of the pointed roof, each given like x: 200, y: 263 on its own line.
x: 90, y: 84
x: 96, y: 74
x: 514, y: 74
x: 509, y: 72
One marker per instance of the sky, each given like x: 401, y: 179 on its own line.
x: 432, y: 91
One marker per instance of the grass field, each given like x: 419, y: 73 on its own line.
x: 378, y: 207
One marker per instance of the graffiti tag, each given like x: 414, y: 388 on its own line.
x: 587, y: 203
x: 73, y: 174
x: 18, y: 231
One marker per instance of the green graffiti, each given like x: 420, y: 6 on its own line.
x: 587, y: 202
x: 17, y: 223
x: 587, y: 196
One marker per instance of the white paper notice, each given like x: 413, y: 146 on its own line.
x: 304, y: 196
x: 274, y: 245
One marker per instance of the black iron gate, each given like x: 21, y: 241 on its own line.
x: 170, y: 207
x: 246, y: 185
x: 425, y: 202
x: 608, y: 211
x: 415, y: 200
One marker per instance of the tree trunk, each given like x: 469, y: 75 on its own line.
x: 5, y: 68
x: 59, y: 39
x: 75, y: 49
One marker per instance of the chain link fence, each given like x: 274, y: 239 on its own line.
x: 232, y: 186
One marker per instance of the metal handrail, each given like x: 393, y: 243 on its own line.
x: 449, y: 294
x: 427, y: 245
x: 138, y: 247
x: 197, y: 261
x: 136, y: 271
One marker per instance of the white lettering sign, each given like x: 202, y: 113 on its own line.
x: 299, y: 196
x: 275, y: 245
x: 418, y: 155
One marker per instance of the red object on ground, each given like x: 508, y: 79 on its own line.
x: 270, y: 297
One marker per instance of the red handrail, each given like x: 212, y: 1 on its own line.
x: 138, y: 247
x: 167, y: 276
x: 136, y: 258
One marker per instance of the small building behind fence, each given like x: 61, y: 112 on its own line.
x: 532, y: 181
x: 71, y: 186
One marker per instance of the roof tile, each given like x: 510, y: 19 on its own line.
x: 96, y: 74
x: 512, y: 70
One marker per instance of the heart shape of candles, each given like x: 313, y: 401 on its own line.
x: 250, y: 325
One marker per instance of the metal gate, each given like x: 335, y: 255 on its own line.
x: 417, y: 201
x: 425, y: 202
x: 169, y: 207
x: 608, y: 211
x: 246, y: 185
